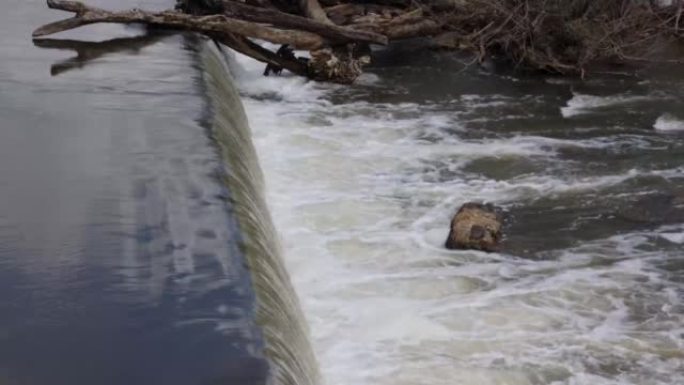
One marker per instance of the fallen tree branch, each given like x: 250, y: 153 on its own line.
x: 284, y: 20
x: 86, y: 15
x: 257, y: 52
x: 313, y: 10
x: 561, y: 36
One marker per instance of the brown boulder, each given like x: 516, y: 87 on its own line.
x: 475, y: 226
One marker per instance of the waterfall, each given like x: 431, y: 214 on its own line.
x: 285, y: 332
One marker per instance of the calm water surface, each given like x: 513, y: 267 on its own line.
x: 119, y: 261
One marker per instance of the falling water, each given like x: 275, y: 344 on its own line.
x: 278, y: 312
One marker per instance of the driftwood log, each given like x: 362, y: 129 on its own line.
x: 562, y: 36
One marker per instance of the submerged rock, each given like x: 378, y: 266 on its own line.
x: 475, y: 226
x: 655, y: 209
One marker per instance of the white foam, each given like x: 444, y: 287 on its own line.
x: 582, y: 104
x: 674, y: 235
x: 668, y: 122
x: 286, y: 87
x: 362, y: 193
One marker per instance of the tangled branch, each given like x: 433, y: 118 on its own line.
x: 561, y: 36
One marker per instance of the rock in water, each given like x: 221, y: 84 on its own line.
x: 475, y: 226
x: 654, y: 209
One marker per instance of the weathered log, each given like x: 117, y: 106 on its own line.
x: 344, y: 67
x: 313, y: 10
x: 330, y: 31
x: 342, y: 64
x: 334, y: 49
x: 563, y: 36
x: 272, y: 16
x: 407, y: 25
x: 171, y: 19
x: 341, y: 13
x: 349, y: 14
x: 422, y: 28
x: 257, y: 52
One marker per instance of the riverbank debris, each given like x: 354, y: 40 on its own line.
x: 557, y: 36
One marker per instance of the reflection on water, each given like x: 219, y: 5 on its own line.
x: 119, y: 257
x: 88, y: 51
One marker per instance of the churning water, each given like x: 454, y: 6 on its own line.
x: 362, y: 183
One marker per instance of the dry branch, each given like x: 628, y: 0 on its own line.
x: 257, y: 52
x: 284, y: 20
x: 562, y: 36
x: 171, y: 19
x: 313, y: 10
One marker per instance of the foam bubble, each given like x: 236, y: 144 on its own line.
x: 582, y: 104
x: 668, y: 122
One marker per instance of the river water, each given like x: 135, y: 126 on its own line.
x: 135, y: 247
x: 119, y: 252
x: 362, y: 183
